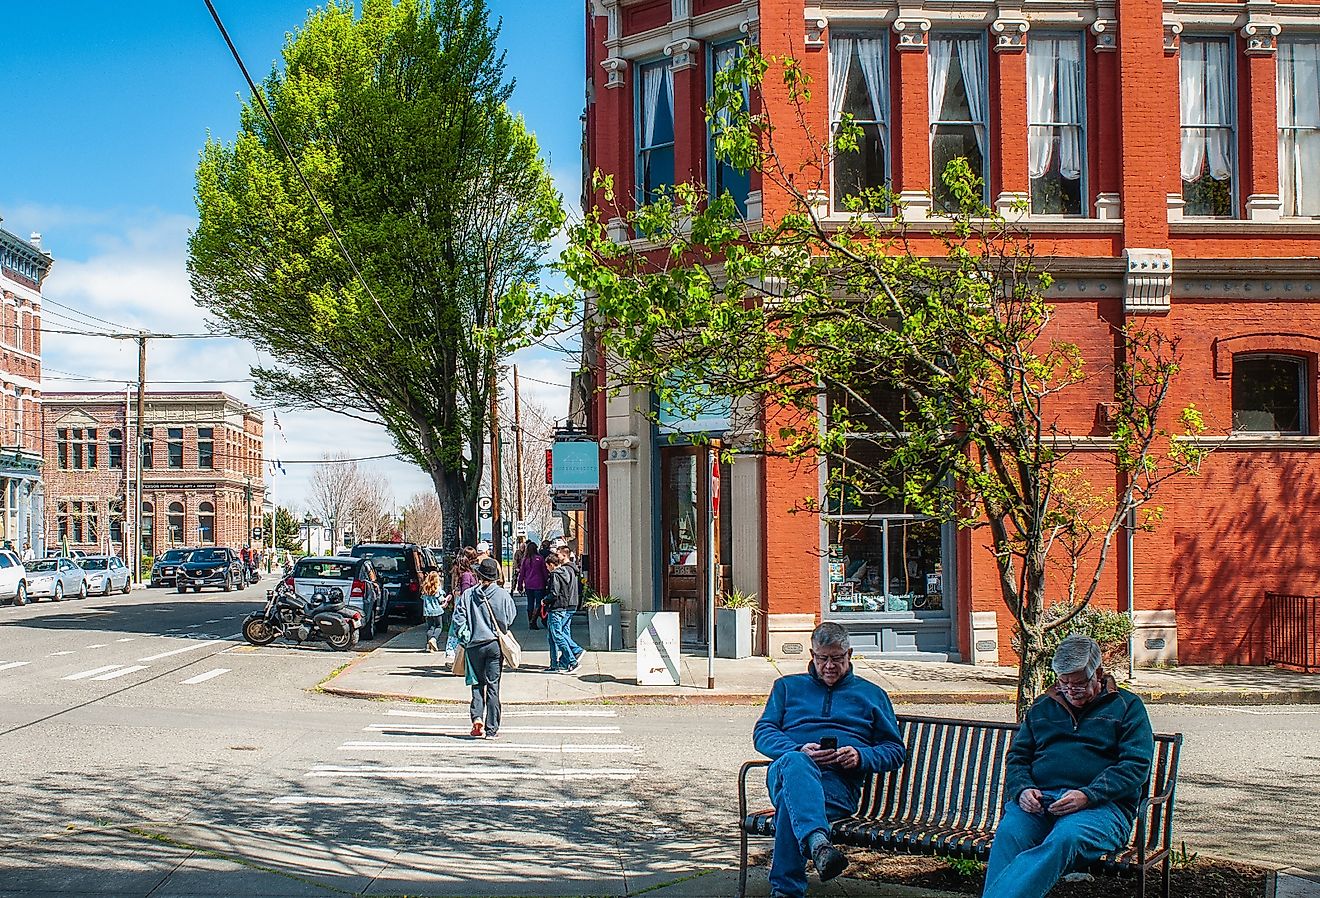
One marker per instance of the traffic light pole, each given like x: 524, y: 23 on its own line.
x: 137, y: 454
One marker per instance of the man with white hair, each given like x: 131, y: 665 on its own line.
x: 1078, y: 768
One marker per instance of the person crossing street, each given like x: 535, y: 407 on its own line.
x: 483, y: 611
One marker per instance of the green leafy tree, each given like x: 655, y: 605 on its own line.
x: 398, y: 119
x: 933, y: 351
x: 288, y: 530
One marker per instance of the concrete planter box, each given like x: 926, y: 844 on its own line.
x: 604, y: 627
x: 733, y: 632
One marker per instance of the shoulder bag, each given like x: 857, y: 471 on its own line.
x: 509, y: 646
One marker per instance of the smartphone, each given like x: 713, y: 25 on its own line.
x: 829, y: 743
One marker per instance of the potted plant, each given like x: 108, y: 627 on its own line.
x: 734, y: 618
x: 604, y: 630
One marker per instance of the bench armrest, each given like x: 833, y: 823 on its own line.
x: 742, y: 787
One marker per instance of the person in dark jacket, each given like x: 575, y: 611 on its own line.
x: 482, y: 611
x: 561, y: 602
x: 1078, y: 768
x: 813, y: 786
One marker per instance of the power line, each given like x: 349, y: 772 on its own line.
x: 47, y: 301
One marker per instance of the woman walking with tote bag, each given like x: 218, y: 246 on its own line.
x: 485, y: 611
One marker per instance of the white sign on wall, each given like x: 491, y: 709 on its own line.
x: 657, y: 648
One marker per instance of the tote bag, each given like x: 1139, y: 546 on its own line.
x: 509, y: 646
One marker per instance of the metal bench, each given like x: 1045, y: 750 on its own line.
x: 947, y: 799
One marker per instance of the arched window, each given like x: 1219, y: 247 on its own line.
x: 1270, y: 393
x: 116, y: 449
x: 148, y: 528
x: 206, y: 523
x: 174, y: 521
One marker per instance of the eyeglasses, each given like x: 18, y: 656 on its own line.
x: 830, y: 660
x: 1075, y: 685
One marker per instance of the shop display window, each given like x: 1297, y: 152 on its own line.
x: 885, y: 564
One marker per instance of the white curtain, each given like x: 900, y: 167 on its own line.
x: 653, y: 79
x: 1205, y: 99
x: 974, y: 82
x: 939, y: 56
x: 841, y: 53
x: 1299, y: 126
x: 1055, y: 103
x: 871, y: 54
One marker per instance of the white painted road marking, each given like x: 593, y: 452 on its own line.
x: 13, y: 664
x: 209, y: 675
x: 463, y: 715
x: 488, y: 745
x: 190, y: 648
x: 58, y: 654
x: 126, y: 639
x: 430, y: 729
x: 96, y: 645
x: 413, y: 800
x: 91, y: 673
x: 119, y: 673
x: 328, y: 771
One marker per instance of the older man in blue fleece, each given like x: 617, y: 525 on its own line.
x: 811, y: 785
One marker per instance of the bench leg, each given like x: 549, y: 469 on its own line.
x: 742, y: 861
x: 1141, y: 882
x: 1165, y: 876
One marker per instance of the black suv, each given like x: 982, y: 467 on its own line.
x: 221, y: 568
x: 400, y: 567
x: 167, y: 564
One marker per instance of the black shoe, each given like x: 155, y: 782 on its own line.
x: 829, y: 861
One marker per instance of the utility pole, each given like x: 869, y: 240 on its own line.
x: 517, y: 444
x: 141, y: 414
x: 496, y: 484
x: 247, y: 493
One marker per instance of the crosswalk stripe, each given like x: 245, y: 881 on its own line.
x: 12, y: 664
x: 190, y: 648
x: 96, y: 645
x: 119, y: 673
x: 426, y: 729
x: 202, y: 678
x: 58, y: 654
x: 488, y: 745
x: 509, y: 713
x: 126, y: 639
x: 412, y: 800
x: 91, y: 673
x: 421, y: 772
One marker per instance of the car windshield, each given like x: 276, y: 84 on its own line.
x: 391, y: 562
x: 176, y: 555
x: 323, y: 570
x: 44, y: 566
x: 92, y: 564
x: 205, y: 555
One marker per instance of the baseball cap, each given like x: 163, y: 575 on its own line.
x: 483, y: 546
x: 488, y: 569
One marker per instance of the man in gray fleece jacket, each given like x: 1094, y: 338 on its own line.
x: 479, y: 611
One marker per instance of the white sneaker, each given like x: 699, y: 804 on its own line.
x: 431, y: 646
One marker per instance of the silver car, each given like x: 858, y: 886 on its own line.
x: 56, y: 578
x: 106, y: 573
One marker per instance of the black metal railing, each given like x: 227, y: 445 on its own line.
x: 1292, y: 631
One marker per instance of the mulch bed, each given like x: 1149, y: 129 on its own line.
x: 1202, y: 877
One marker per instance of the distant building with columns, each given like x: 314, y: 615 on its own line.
x: 23, y: 267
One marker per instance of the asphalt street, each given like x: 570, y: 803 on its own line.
x: 147, y: 715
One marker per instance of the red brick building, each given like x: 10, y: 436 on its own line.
x: 23, y: 268
x: 201, y: 468
x: 1169, y: 155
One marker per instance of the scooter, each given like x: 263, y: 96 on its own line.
x: 287, y: 615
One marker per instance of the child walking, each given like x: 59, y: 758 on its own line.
x: 433, y: 610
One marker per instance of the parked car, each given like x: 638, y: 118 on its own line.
x: 357, y: 577
x: 55, y: 578
x: 167, y: 564
x: 106, y: 573
x: 13, y: 578
x: 221, y: 568
x: 401, y: 567
x: 60, y: 553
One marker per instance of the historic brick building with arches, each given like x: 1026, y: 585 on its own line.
x: 1168, y: 155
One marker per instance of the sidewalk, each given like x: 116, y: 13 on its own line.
x: 401, y: 669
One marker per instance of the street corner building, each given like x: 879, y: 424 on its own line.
x: 23, y: 268
x: 1167, y: 156
x: 200, y: 466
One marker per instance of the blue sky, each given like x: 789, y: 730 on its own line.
x: 109, y: 106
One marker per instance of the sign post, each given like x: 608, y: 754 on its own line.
x: 712, y: 577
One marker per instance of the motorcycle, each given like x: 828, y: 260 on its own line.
x: 288, y: 615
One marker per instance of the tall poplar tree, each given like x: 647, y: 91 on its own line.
x: 397, y: 116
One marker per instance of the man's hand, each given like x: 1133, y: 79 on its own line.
x: 848, y: 757
x: 1071, y: 801
x: 1029, y: 801
x: 823, y: 757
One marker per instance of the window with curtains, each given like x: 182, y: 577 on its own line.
x: 959, y: 110
x: 1299, y: 125
x: 859, y: 93
x: 1205, y: 77
x: 655, y: 134
x: 1056, y: 136
x: 723, y: 175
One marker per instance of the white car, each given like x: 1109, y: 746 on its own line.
x: 106, y: 573
x: 55, y: 578
x: 13, y: 578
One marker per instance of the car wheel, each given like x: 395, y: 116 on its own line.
x: 128, y: 585
x: 229, y: 585
x: 181, y: 588
x: 59, y: 592
x: 20, y: 597
x: 109, y: 583
x: 369, y: 628
x: 383, y: 621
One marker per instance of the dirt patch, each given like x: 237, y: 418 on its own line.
x: 1198, y: 877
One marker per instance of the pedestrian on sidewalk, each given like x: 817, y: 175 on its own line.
x: 561, y: 602
x: 1076, y: 773
x: 531, y: 579
x: 826, y: 730
x: 462, y: 578
x: 433, y: 609
x: 483, y: 610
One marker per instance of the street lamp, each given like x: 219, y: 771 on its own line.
x: 307, y: 522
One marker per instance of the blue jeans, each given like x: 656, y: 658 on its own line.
x: 1031, y: 851
x: 806, y: 798
x: 564, y: 651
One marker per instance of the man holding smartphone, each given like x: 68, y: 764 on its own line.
x: 825, y: 730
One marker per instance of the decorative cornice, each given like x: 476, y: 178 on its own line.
x: 1010, y: 34
x: 752, y: 26
x: 913, y: 31
x: 1148, y: 283
x: 1172, y: 36
x: 680, y: 10
x: 684, y: 53
x: 616, y: 70
x: 1105, y: 30
x: 1261, y: 37
x: 815, y: 29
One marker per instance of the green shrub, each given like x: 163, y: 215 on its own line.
x: 1109, y: 628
